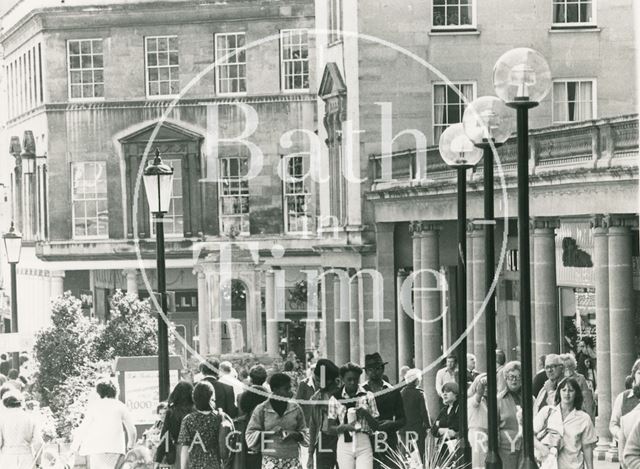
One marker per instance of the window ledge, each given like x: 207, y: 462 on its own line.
x: 588, y: 28
x: 471, y: 31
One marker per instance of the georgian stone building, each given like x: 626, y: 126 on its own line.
x: 92, y: 91
x: 396, y: 74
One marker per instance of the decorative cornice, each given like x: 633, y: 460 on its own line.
x: 424, y: 227
x: 620, y: 220
x: 598, y: 223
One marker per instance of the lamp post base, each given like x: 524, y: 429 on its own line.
x: 529, y: 463
x: 493, y: 461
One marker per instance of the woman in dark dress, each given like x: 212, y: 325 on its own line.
x: 446, y: 425
x: 180, y: 405
x: 203, y: 433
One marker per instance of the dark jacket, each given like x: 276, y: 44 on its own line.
x: 225, y: 397
x: 538, y: 381
x: 447, y: 418
x: 304, y: 393
x: 166, y: 451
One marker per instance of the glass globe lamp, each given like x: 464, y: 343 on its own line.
x: 456, y: 149
x: 158, y: 184
x: 488, y: 119
x: 521, y: 75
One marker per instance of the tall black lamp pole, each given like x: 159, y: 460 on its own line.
x: 522, y: 78
x: 458, y: 151
x: 487, y: 123
x: 158, y: 182
x: 13, y: 246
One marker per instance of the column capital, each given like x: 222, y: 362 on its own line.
x: 598, y: 224
x: 56, y: 273
x: 621, y: 220
x: 424, y: 228
x: 475, y: 229
x: 537, y: 224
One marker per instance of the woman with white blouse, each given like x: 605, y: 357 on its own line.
x: 578, y: 433
x: 20, y: 436
x: 101, y: 435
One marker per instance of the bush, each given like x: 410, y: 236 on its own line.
x: 131, y: 330
x: 65, y: 348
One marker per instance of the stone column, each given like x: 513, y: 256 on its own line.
x: 603, y: 375
x: 415, y: 229
x: 254, y: 314
x: 405, y: 325
x: 621, y: 301
x: 328, y: 315
x: 545, y: 291
x: 354, y: 315
x: 341, y: 311
x: 132, y: 280
x: 431, y: 305
x: 479, y: 292
x: 215, y: 325
x: 270, y: 305
x: 57, y: 283
x: 203, y: 313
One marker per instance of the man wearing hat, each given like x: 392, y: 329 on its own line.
x: 389, y: 403
x: 224, y: 395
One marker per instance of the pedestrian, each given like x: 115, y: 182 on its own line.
x: 540, y: 377
x: 14, y: 379
x: 472, y: 373
x: 631, y: 455
x: 391, y: 416
x: 352, y: 415
x: 20, y: 435
x: 278, y: 427
x: 224, y: 394
x: 501, y: 359
x: 101, y: 436
x: 306, y: 389
x: 323, y: 445
x: 588, y: 403
x: 478, y: 415
x: 448, y: 374
x: 241, y: 456
x: 402, y: 373
x: 229, y: 376
x: 203, y: 432
x: 290, y: 370
x: 180, y: 404
x: 509, y: 407
x: 626, y: 411
x: 578, y: 432
x: 446, y: 426
x: 554, y: 368
x: 5, y: 365
x: 417, y: 420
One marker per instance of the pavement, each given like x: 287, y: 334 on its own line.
x: 606, y: 465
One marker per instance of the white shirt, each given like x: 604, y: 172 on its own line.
x: 444, y: 376
x: 101, y: 430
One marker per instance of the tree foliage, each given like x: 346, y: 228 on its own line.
x: 131, y: 330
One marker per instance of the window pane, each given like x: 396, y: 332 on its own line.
x: 97, y: 46
x: 74, y: 61
x: 97, y: 61
x: 74, y: 47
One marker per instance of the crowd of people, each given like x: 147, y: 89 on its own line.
x: 338, y: 417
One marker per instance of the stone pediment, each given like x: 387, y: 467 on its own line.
x: 332, y: 83
x: 167, y: 132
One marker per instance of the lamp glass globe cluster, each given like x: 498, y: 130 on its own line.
x: 456, y: 149
x: 521, y: 75
x: 488, y: 119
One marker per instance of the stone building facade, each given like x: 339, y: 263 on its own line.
x: 92, y: 91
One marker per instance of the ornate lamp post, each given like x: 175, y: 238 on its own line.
x: 521, y: 78
x: 459, y: 152
x: 486, y: 122
x: 158, y: 185
x: 13, y: 246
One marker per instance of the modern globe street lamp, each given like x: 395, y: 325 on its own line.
x: 521, y: 78
x: 488, y: 125
x: 13, y: 247
x: 158, y: 185
x: 459, y: 152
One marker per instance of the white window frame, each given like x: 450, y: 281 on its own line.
x: 457, y: 84
x: 158, y: 67
x: 474, y: 22
x: 297, y: 33
x: 220, y: 63
x: 578, y: 24
x: 96, y: 199
x: 334, y: 21
x: 171, y: 214
x: 594, y: 97
x: 221, y: 196
x: 92, y: 69
x: 306, y: 192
